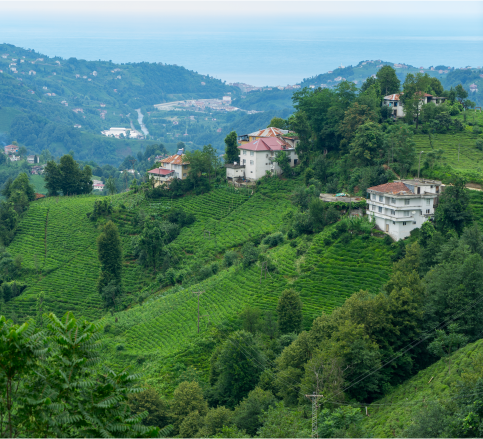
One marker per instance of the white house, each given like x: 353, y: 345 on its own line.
x: 257, y: 158
x: 116, y: 132
x: 160, y: 175
x: 402, y: 206
x: 393, y: 101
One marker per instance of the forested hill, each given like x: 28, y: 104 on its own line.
x: 359, y: 73
x: 38, y: 95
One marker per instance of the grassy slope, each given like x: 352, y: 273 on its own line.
x: 165, y: 323
x: 431, y: 384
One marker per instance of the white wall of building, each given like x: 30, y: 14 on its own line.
x: 257, y: 163
x: 397, y: 215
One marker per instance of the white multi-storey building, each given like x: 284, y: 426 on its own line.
x: 402, y: 206
x: 257, y: 158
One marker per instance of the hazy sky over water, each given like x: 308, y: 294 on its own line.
x: 431, y: 8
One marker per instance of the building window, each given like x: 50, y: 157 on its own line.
x: 252, y: 153
x: 406, y: 213
x: 431, y: 186
x: 393, y: 212
x: 404, y: 223
x: 428, y: 210
x: 406, y: 202
x: 393, y: 200
x: 373, y: 207
x: 244, y: 152
x: 414, y: 222
x: 428, y: 201
x: 244, y: 162
x: 251, y: 162
x: 380, y: 209
x: 394, y: 222
x: 381, y: 198
x: 266, y: 156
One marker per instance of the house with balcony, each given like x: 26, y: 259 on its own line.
x: 402, y: 206
x: 257, y: 158
x: 10, y: 149
x: 393, y: 101
x: 174, y: 166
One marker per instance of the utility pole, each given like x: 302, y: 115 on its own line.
x: 314, y: 398
x: 198, y: 293
x: 419, y: 166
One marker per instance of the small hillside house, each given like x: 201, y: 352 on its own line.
x: 403, y: 205
x: 11, y: 149
x: 171, y: 167
x: 257, y: 158
x: 397, y: 107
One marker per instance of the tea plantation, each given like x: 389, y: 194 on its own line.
x: 325, y: 276
x: 58, y: 245
x: 391, y: 415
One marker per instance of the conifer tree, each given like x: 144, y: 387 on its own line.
x: 110, y: 256
x: 289, y: 310
x: 231, y: 148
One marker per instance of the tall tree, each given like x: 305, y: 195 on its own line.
x: 277, y: 122
x: 231, y: 148
x: 368, y: 144
x: 20, y: 192
x: 289, y: 311
x: 68, y: 177
x: 110, y: 257
x: 388, y: 80
x: 400, y: 145
x: 453, y: 211
x: 236, y: 367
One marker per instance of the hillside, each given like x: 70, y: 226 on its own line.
x: 391, y: 415
x: 58, y: 246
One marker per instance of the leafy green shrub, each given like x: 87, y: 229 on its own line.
x: 327, y: 241
x: 249, y: 253
x: 302, y: 248
x: 230, y: 258
x: 120, y: 347
x: 479, y: 144
x: 274, y: 239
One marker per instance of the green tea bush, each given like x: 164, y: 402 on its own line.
x: 230, y: 258
x: 274, y: 239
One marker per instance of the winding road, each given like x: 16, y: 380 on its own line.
x: 140, y: 120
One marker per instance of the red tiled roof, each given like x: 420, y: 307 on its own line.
x: 392, y: 188
x: 160, y: 171
x: 393, y: 97
x: 37, y: 196
x: 266, y: 144
x: 175, y: 159
x: 268, y: 132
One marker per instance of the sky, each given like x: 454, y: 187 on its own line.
x: 254, y: 8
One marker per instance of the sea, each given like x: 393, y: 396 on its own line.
x: 264, y: 56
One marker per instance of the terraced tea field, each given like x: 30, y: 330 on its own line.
x: 476, y: 203
x: 326, y: 276
x: 58, y: 243
x: 58, y: 248
x: 470, y: 158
